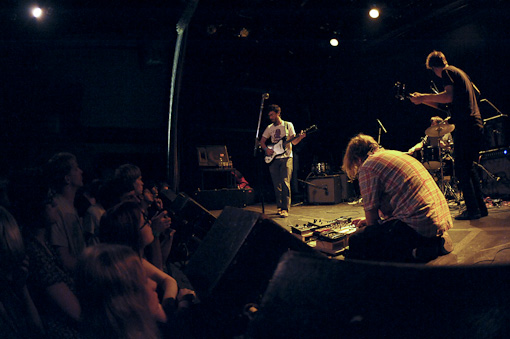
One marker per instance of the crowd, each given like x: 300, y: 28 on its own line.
x: 87, y: 261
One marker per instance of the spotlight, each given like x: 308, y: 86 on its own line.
x: 333, y: 42
x: 374, y: 13
x: 37, y: 12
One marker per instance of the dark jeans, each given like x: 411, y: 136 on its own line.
x: 390, y: 241
x: 466, y: 155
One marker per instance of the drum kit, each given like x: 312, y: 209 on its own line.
x: 439, y: 159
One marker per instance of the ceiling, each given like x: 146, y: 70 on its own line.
x: 273, y: 20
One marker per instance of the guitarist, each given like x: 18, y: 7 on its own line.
x: 281, y: 166
x: 460, y: 92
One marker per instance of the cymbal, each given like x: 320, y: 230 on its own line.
x: 439, y: 130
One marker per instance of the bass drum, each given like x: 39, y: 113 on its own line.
x: 431, y: 158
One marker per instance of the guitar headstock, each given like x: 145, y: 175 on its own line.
x: 311, y: 129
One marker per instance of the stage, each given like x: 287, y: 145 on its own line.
x: 250, y: 260
x: 483, y: 241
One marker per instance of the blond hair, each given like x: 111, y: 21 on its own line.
x: 356, y: 152
x: 111, y: 288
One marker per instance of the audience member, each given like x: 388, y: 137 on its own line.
x: 49, y: 283
x: 125, y: 224
x: 19, y: 317
x: 128, y: 178
x: 65, y: 178
x: 165, y: 238
x: 118, y: 299
x: 90, y: 210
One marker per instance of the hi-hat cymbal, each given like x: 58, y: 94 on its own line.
x: 439, y: 130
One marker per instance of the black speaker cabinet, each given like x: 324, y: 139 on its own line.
x: 310, y: 297
x: 496, y: 183
x: 235, y: 261
x: 219, y: 198
x: 188, y: 217
x: 325, y: 189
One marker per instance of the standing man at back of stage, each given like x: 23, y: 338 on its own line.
x: 281, y: 166
x: 460, y: 92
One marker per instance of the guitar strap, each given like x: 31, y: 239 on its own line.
x: 286, y: 135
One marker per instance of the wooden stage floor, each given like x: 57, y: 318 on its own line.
x: 484, y: 241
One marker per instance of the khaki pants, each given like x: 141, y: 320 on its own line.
x: 281, y: 173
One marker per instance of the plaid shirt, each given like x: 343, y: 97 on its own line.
x: 401, y: 188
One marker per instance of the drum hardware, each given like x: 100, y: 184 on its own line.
x: 489, y: 174
x: 446, y: 186
x: 433, y: 158
x: 440, y: 129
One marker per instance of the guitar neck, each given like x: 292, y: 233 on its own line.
x: 286, y: 142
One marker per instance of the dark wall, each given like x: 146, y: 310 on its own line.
x: 106, y: 96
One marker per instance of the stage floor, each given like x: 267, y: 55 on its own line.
x: 484, y: 241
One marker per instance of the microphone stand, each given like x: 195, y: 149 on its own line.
x: 494, y: 137
x: 256, y: 147
x: 500, y: 115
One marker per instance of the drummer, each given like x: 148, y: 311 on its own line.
x: 438, y: 134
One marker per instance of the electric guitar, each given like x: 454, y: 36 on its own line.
x: 279, y: 147
x: 400, y: 94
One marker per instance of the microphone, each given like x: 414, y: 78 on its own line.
x: 380, y: 123
x: 265, y: 96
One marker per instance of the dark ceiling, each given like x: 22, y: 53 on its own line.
x: 276, y: 20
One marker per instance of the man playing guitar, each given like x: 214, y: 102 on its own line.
x: 280, y: 167
x: 460, y: 92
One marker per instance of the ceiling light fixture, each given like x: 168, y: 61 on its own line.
x: 374, y: 13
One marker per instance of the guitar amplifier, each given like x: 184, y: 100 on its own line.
x: 325, y: 189
x: 495, y: 172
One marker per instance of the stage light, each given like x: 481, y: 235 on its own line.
x: 374, y: 13
x: 333, y: 42
x: 37, y: 12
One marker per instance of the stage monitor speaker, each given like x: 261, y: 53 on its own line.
x: 310, y: 297
x: 233, y: 264
x: 325, y: 189
x: 189, y: 218
x: 167, y: 196
x: 497, y: 163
